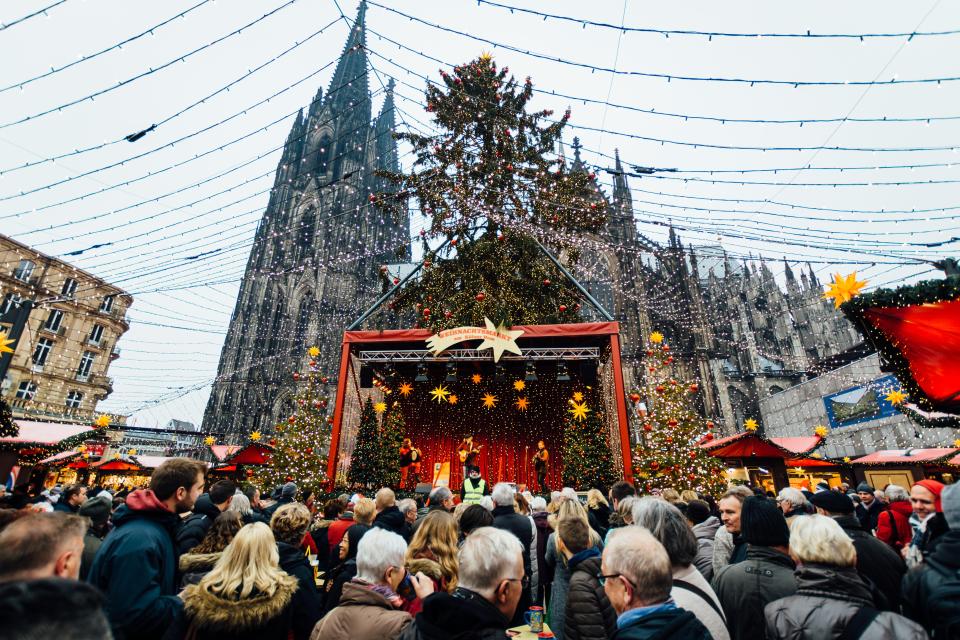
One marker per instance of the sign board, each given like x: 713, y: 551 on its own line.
x: 499, y: 339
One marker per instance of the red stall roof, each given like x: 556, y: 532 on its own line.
x: 751, y: 445
x: 905, y: 456
x: 117, y: 464
x: 45, y: 434
x: 60, y: 458
x: 223, y: 451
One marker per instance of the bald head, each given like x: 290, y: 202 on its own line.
x: 385, y: 498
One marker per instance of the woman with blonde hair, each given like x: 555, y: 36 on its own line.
x: 246, y: 595
x: 433, y: 550
x: 598, y: 512
x: 555, y: 560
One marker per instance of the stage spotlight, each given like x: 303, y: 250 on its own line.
x: 499, y: 371
x: 451, y: 372
x: 562, y: 374
x: 531, y: 375
x: 422, y: 374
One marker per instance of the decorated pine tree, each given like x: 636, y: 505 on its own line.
x: 365, y: 463
x: 8, y: 428
x: 490, y: 181
x: 587, y: 462
x: 394, y: 428
x: 300, y: 443
x: 669, y: 455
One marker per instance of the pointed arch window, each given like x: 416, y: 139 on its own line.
x: 324, y: 153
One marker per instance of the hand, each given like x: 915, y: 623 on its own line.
x: 422, y: 584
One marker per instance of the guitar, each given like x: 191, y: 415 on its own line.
x: 463, y: 453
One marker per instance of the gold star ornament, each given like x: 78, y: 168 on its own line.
x: 5, y: 343
x: 209, y: 441
x: 489, y: 400
x: 750, y: 424
x: 656, y: 337
x: 896, y: 397
x: 440, y: 394
x: 313, y: 352
x: 405, y: 389
x: 843, y: 288
x: 519, y: 385
x: 380, y: 407
x: 821, y: 430
x: 103, y: 420
x: 255, y: 436
x: 577, y: 396
x: 476, y: 378
x: 453, y: 399
x: 521, y: 404
x: 579, y: 411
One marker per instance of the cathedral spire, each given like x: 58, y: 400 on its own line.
x: 577, y: 163
x: 621, y: 190
x: 386, y: 146
x: 787, y: 271
x: 350, y: 85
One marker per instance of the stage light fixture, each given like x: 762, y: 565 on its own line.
x: 562, y: 374
x: 422, y: 374
x: 451, y: 372
x: 499, y: 371
x: 531, y: 375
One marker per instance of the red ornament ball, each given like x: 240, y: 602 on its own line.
x: 396, y: 281
x: 480, y: 296
x: 447, y: 314
x: 660, y: 388
x: 654, y: 465
x: 649, y: 352
x: 546, y: 282
x: 672, y: 422
x: 426, y: 312
x: 691, y: 477
x: 273, y: 442
x: 296, y: 375
x: 694, y: 388
x: 708, y: 437
x: 292, y: 419
x: 647, y: 426
x: 652, y: 369
x: 308, y: 451
x: 666, y: 347
x: 563, y: 308
x: 313, y: 363
x: 710, y: 424
x: 453, y: 242
x: 249, y: 473
x: 673, y: 382
x: 373, y: 198
x: 634, y: 397
x: 324, y: 379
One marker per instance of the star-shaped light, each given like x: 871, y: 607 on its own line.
x: 519, y: 385
x: 750, y: 424
x: 440, y: 394
x: 453, y: 399
x: 82, y: 448
x: 506, y: 342
x: 579, y: 411
x: 313, y: 352
x: 656, y: 337
x: 846, y: 458
x: 489, y: 400
x: 209, y: 441
x: 956, y: 443
x: 476, y: 378
x: 577, y: 396
x: 380, y: 407
x: 521, y: 404
x: 405, y: 389
x: 486, y: 56
x: 255, y: 436
x: 896, y: 396
x: 821, y: 430
x: 103, y: 420
x: 844, y: 288
x: 5, y: 343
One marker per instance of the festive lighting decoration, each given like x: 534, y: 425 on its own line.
x: 102, y: 420
x: 313, y: 352
x: 821, y: 430
x: 521, y: 404
x: 656, y: 337
x: 896, y: 396
x: 5, y: 343
x: 489, y: 401
x: 380, y: 407
x: 579, y: 411
x: 519, y: 385
x: 440, y: 394
x: 577, y: 396
x: 405, y: 389
x: 843, y: 288
x: 750, y: 424
x: 453, y: 399
x: 586, y: 453
x: 255, y: 436
x: 209, y: 441
x: 476, y: 378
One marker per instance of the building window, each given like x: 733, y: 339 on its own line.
x: 107, y: 305
x: 54, y: 320
x: 96, y: 334
x: 86, y: 363
x: 27, y: 390
x: 74, y: 398
x: 11, y: 301
x: 24, y: 270
x: 41, y: 351
x: 69, y: 288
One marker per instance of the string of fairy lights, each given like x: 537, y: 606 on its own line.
x: 223, y: 253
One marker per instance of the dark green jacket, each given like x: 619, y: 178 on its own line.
x: 745, y: 588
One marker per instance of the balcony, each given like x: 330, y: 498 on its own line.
x: 105, y: 382
x: 115, y: 353
x: 36, y: 368
x: 59, y: 331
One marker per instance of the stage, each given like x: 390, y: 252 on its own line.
x: 556, y: 362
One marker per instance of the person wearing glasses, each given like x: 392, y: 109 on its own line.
x: 635, y: 574
x: 491, y: 582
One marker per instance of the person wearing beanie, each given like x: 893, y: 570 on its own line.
x: 765, y: 575
x: 822, y: 486
x: 876, y: 561
x: 931, y: 523
x: 704, y: 526
x: 288, y: 494
x: 869, y: 510
x: 98, y: 510
x: 927, y: 595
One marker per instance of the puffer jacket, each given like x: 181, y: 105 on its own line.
x: 705, y: 533
x: 363, y: 614
x: 745, y: 588
x: 877, y: 563
x: 256, y: 617
x: 589, y: 615
x: 193, y: 566
x: 893, y: 526
x: 919, y: 583
x: 826, y: 600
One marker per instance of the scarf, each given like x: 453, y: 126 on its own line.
x: 391, y: 596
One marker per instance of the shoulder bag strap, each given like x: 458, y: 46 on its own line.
x: 703, y: 596
x: 859, y: 623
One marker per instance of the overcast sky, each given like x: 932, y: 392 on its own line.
x: 183, y: 305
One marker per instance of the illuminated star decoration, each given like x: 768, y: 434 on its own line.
x: 489, y: 400
x: 453, y: 399
x: 255, y: 436
x: 209, y: 440
x: 313, y: 352
x: 844, y: 288
x: 440, y: 394
x: 956, y: 443
x: 577, y: 396
x: 476, y: 378
x: 896, y: 396
x: 5, y: 343
x: 132, y: 452
x: 821, y: 431
x: 750, y: 424
x: 521, y: 404
x: 656, y: 337
x: 579, y: 411
x: 103, y: 420
x: 380, y: 407
x: 507, y: 343
x: 486, y: 56
x: 405, y: 389
x: 846, y: 458
x: 519, y: 385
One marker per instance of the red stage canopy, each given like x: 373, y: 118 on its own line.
x: 906, y: 456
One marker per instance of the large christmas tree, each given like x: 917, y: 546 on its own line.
x: 587, y: 462
x: 365, y: 463
x: 300, y: 444
x: 490, y: 182
x: 393, y: 429
x: 670, y: 455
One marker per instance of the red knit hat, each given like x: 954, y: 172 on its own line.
x: 935, y: 488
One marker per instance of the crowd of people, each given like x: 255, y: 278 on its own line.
x: 187, y: 559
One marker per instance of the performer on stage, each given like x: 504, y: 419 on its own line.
x: 410, y: 461
x: 474, y: 487
x: 468, y: 452
x: 541, y: 463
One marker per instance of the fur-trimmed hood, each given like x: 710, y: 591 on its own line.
x: 209, y: 611
x: 430, y: 568
x: 193, y: 562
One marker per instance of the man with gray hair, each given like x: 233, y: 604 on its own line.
x: 491, y: 583
x: 42, y: 545
x: 505, y: 517
x: 792, y: 502
x: 440, y: 499
x: 636, y: 576
x: 408, y: 507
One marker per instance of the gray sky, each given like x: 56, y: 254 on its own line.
x: 183, y: 307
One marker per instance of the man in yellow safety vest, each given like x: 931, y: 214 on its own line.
x: 474, y: 487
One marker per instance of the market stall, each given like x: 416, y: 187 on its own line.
x: 906, y: 466
x: 767, y: 462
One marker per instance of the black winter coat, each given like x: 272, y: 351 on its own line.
x: 868, y: 516
x: 196, y: 526
x: 393, y: 520
x: 462, y: 615
x: 306, y: 601
x: 877, y: 562
x: 941, y: 565
x: 504, y: 517
x: 599, y: 518
x: 272, y: 509
x: 745, y: 588
x: 672, y: 624
x: 589, y: 615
